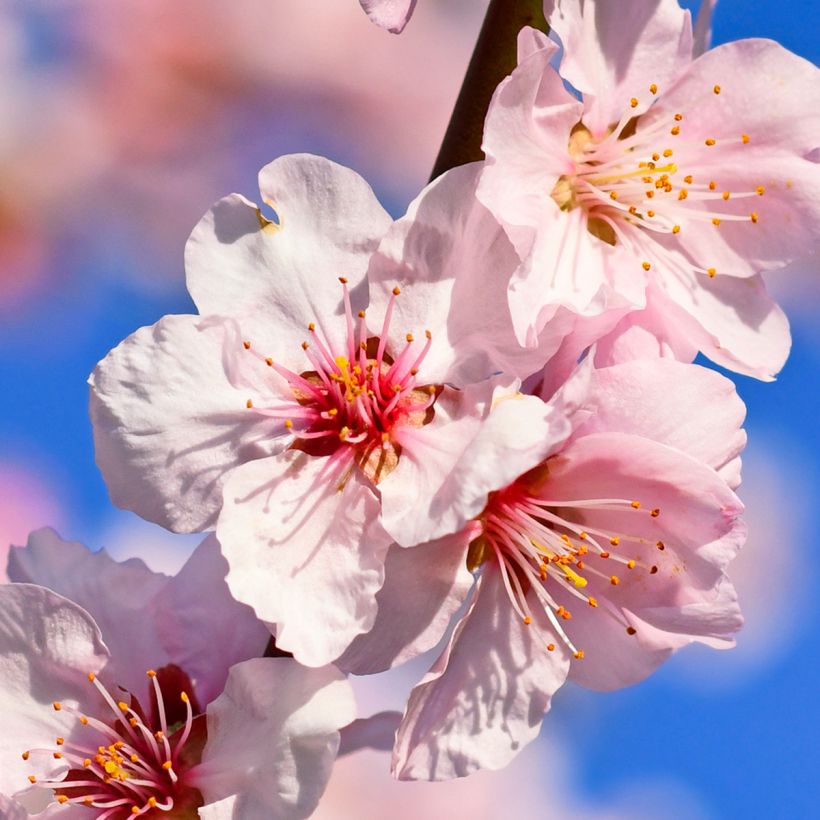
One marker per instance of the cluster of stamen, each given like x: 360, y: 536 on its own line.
x: 540, y: 546
x: 124, y: 769
x: 633, y: 177
x: 353, y: 397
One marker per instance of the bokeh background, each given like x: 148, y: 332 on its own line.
x: 122, y: 120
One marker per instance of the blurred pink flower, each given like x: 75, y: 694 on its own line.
x: 671, y: 182
x: 187, y: 632
x: 610, y: 505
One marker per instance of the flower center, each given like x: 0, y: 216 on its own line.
x: 540, y: 545
x: 128, y: 766
x: 643, y: 175
x: 357, y: 397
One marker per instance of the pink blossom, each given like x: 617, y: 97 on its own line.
x: 672, y: 180
x: 120, y: 725
x: 310, y: 396
x: 390, y: 14
x: 599, y: 525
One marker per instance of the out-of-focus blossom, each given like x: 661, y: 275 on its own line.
x: 83, y: 725
x: 158, y: 109
x: 669, y: 185
x: 26, y: 503
x: 600, y: 524
x: 390, y: 14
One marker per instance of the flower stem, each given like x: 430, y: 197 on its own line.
x: 494, y: 57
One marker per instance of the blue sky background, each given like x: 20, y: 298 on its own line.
x: 744, y: 743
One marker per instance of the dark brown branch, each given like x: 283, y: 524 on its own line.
x: 493, y: 59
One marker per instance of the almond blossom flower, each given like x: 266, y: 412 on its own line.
x: 599, y: 525
x: 307, y: 394
x: 390, y: 14
x: 139, y: 725
x: 671, y: 182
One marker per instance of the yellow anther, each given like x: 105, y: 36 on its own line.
x: 32, y: 778
x: 633, y: 103
x: 579, y: 655
x: 688, y: 179
x: 650, y: 214
x: 62, y: 799
x: 305, y: 345
x: 83, y: 720
x: 167, y: 765
x: 726, y: 195
x: 646, y: 266
x: 396, y: 291
x: 709, y: 142
x: 57, y: 706
x: 753, y: 216
x: 573, y: 576
x: 676, y: 229
x: 593, y: 602
x: 249, y: 404
x: 87, y: 762
x: 152, y: 801
x: 653, y: 88
x: 151, y: 673
x: 604, y: 555
x: 630, y: 630
x: 614, y: 580
x: 561, y: 612
x: 91, y: 677
x: 656, y: 157
x: 550, y: 647
x: 288, y: 424
x: 269, y: 362
x: 760, y: 190
x: 712, y: 185
x: 682, y: 194
x: 712, y: 272
x: 716, y: 89
x: 653, y: 569
x: 343, y: 280
x: 667, y: 152
x: 744, y: 138
x: 135, y: 809
x: 678, y: 117
x: 636, y: 505
x: 656, y: 512
x: 344, y: 433
x: 25, y: 755
x: 184, y: 697
x: 246, y: 345
x: 660, y: 545
x: 527, y: 620
x: 57, y: 755
x: 630, y: 564
x: 614, y: 540
x: 582, y: 535
x: 675, y: 130
x: 716, y: 222
x: 409, y: 338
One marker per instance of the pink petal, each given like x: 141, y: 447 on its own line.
x: 48, y: 645
x: 11, y: 809
x: 116, y: 594
x: 453, y: 264
x: 614, y: 51
x: 423, y: 589
x: 484, y: 698
x: 390, y: 14
x: 732, y: 321
x: 201, y: 627
x: 170, y: 420
x: 518, y: 433
x: 305, y: 554
x: 684, y: 406
x: 272, y: 739
x: 285, y: 275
